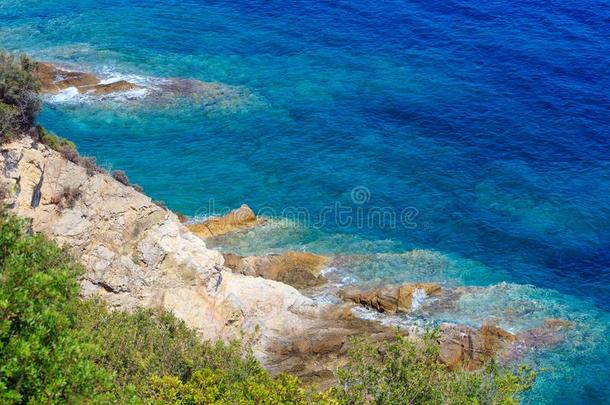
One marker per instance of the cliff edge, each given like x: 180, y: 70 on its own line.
x: 139, y: 254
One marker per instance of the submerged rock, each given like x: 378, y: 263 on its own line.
x: 237, y: 219
x: 556, y: 323
x: 392, y: 299
x: 70, y: 83
x: 298, y: 269
x: 114, y: 87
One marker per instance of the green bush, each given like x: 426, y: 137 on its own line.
x: 19, y: 100
x: 43, y: 358
x: 217, y: 387
x: 146, y: 342
x: 62, y: 145
x: 401, y: 371
x: 57, y: 348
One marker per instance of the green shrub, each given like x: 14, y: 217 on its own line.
x: 401, y: 371
x: 19, y: 100
x: 154, y: 354
x: 216, y: 387
x: 57, y: 348
x: 43, y: 358
x: 8, y: 120
x: 62, y: 145
x: 146, y: 342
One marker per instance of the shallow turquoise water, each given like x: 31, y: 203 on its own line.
x: 485, y: 122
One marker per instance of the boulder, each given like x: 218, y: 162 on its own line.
x: 237, y: 219
x: 390, y: 298
x: 298, y: 269
x: 462, y: 346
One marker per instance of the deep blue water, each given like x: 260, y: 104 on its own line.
x: 487, y: 122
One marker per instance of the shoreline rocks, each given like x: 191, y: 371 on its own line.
x: 240, y: 218
x: 137, y: 254
x: 54, y: 80
x: 392, y: 299
x: 67, y: 83
x: 298, y: 269
x: 462, y: 346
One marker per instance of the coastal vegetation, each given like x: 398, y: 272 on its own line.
x: 58, y: 347
x: 19, y: 101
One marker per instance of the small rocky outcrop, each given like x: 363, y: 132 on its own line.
x: 240, y: 218
x: 390, y: 298
x: 54, y: 79
x: 298, y: 269
x: 120, y: 86
x: 316, y: 351
x: 462, y: 346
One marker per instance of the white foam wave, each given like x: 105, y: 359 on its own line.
x: 418, y: 298
x: 69, y: 94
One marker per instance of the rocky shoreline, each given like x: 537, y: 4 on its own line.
x: 61, y: 82
x: 138, y: 254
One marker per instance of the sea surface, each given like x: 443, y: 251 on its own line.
x: 478, y: 131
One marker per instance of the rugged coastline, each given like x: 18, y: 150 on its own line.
x: 138, y: 254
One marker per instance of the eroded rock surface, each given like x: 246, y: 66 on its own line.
x: 298, y: 269
x: 392, y: 299
x: 138, y: 254
x: 464, y: 346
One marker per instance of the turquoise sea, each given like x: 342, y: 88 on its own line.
x: 476, y: 130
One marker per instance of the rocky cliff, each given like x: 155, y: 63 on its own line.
x: 137, y: 253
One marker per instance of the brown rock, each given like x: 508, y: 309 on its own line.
x: 551, y: 334
x: 470, y: 348
x: 54, y: 80
x: 298, y: 269
x: 115, y: 87
x: 406, y: 291
x: 240, y: 218
x: 390, y: 298
x: 493, y: 338
x: 79, y: 80
x: 314, y: 354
